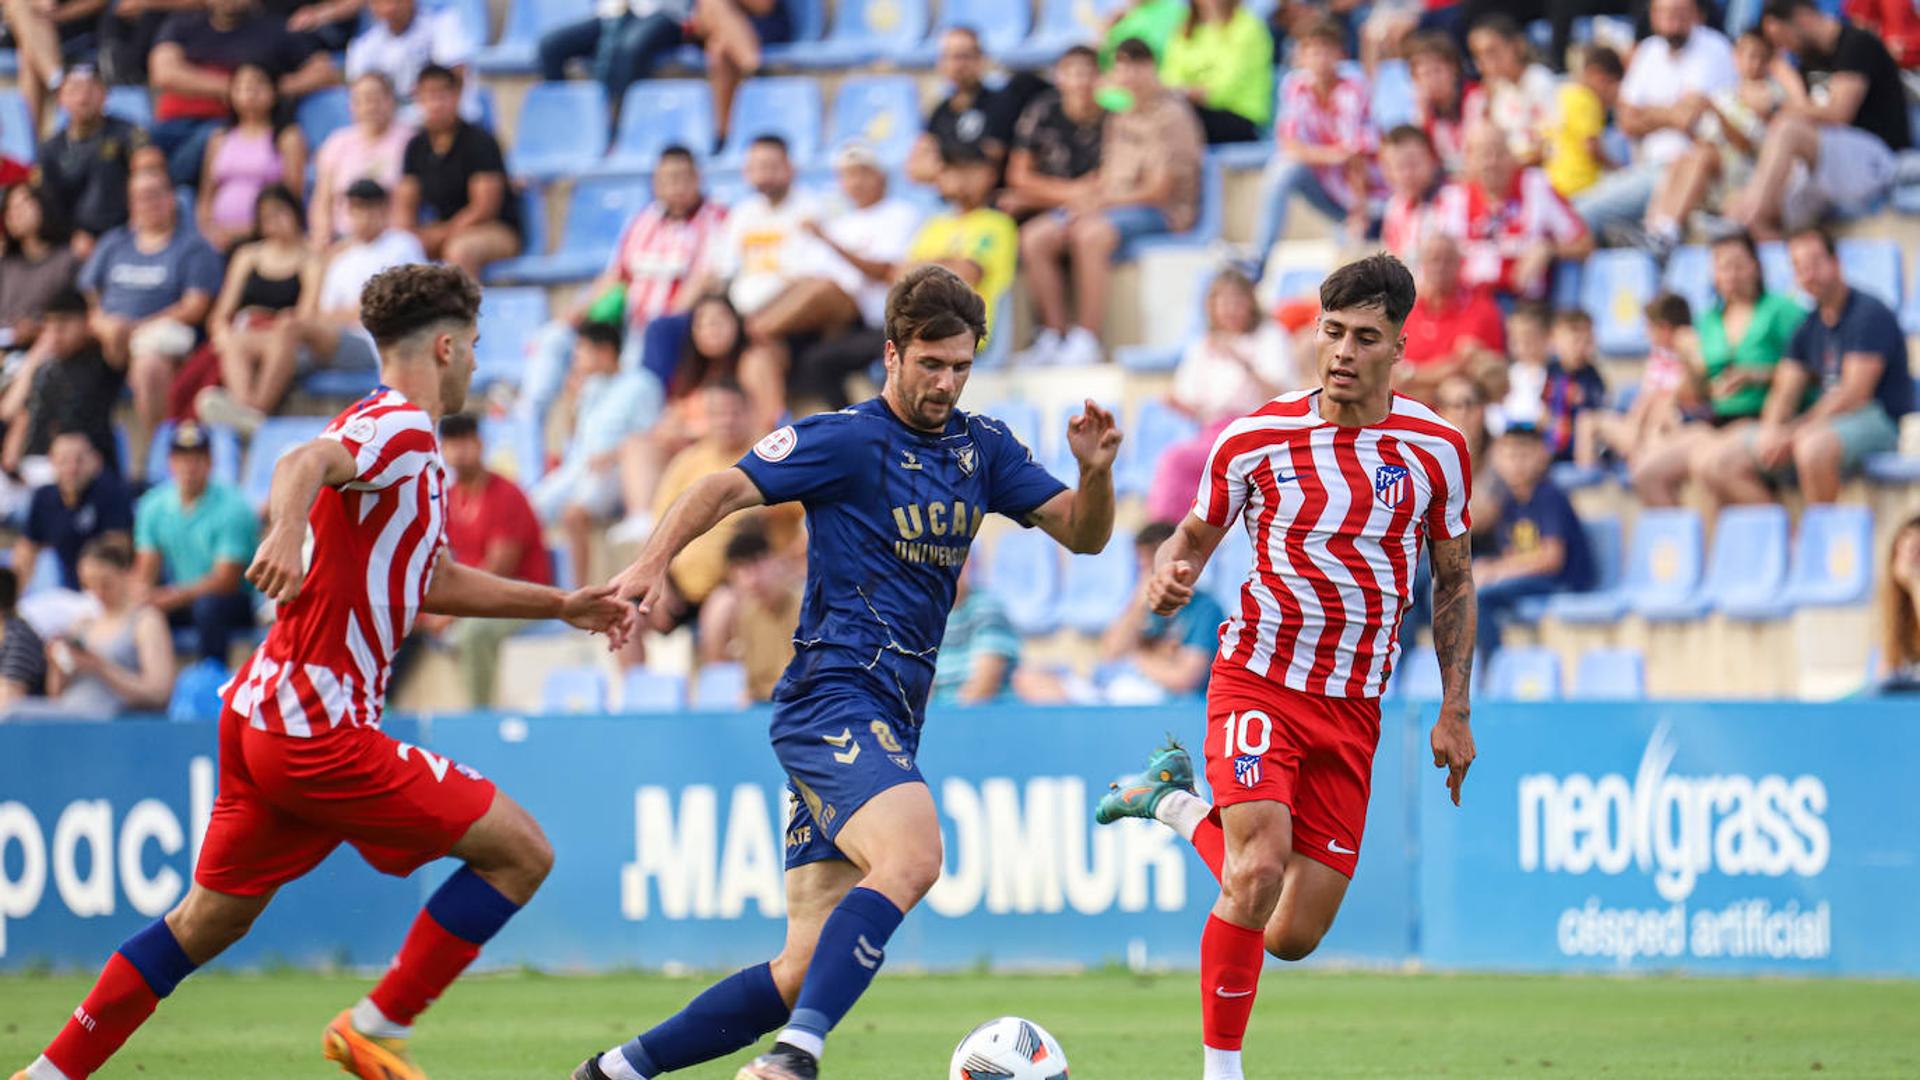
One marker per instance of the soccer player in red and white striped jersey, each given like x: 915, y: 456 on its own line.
x: 356, y: 548
x: 1340, y: 488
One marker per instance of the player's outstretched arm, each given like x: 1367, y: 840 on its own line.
x: 279, y: 566
x: 704, y: 505
x: 470, y: 592
x: 1177, y: 565
x: 1082, y: 519
x: 1455, y: 614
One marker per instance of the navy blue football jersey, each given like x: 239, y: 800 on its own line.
x: 891, y: 515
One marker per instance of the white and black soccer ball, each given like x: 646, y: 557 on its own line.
x: 1008, y: 1049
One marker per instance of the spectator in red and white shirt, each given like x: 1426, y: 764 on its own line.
x: 1511, y: 224
x: 1326, y: 141
x: 1412, y: 173
x: 1442, y: 97
x: 660, y: 254
x: 1518, y: 96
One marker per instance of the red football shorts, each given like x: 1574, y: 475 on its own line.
x: 285, y: 803
x: 1266, y: 743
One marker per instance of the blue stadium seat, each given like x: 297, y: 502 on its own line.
x: 1614, y: 288
x: 1097, y: 587
x: 1690, y: 273
x: 527, y: 21
x: 1392, y: 95
x: 1227, y: 570
x: 1062, y: 25
x: 1663, y: 564
x: 597, y: 211
x: 656, y: 114
x: 787, y: 106
x: 652, y: 691
x: 1059, y: 459
x: 568, y: 690
x: 1606, y: 542
x: 472, y: 15
x: 720, y: 688
x: 1024, y: 572
x: 1892, y: 468
x: 562, y: 129
x: 1001, y: 24
x: 1156, y: 426
x: 809, y: 19
x: 1417, y: 678
x: 513, y: 447
x: 1910, y: 306
x: 9, y: 63
x: 225, y: 447
x: 196, y: 693
x: 16, y: 127
x: 1524, y: 673
x: 1022, y: 420
x: 1776, y: 269
x: 322, y: 113
x: 864, y: 31
x: 1833, y: 558
x: 1610, y: 675
x: 1206, y: 226
x: 1295, y: 282
x: 881, y: 110
x: 276, y: 436
x: 508, y: 319
x: 1148, y: 358
x: 339, y: 382
x: 1873, y: 266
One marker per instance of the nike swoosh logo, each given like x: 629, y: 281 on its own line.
x: 1131, y: 793
x: 1279, y: 479
x: 1334, y: 846
x: 1226, y: 993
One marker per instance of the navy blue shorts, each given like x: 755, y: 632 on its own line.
x: 839, y: 749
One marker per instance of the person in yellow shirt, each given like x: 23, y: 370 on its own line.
x: 1575, y: 157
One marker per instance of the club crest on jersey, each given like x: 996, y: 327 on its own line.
x: 1246, y: 770
x: 908, y: 461
x: 965, y: 457
x: 1391, y: 484
x: 777, y: 445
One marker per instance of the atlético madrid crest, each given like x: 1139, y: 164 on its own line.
x: 1391, y: 484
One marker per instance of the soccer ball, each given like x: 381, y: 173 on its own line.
x: 1008, y: 1049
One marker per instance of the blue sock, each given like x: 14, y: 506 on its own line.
x: 727, y: 1016
x: 158, y: 957
x: 469, y: 908
x: 851, y: 949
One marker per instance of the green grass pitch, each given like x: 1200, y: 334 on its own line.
x: 1114, y: 1026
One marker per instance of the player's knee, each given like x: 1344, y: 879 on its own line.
x: 1291, y: 944
x: 535, y: 856
x: 1253, y: 878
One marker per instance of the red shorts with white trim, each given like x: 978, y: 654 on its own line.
x: 1267, y: 743
x: 285, y: 803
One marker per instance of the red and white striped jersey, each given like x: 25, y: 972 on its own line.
x: 372, y: 545
x: 1496, y: 228
x: 657, y: 256
x: 1337, y: 516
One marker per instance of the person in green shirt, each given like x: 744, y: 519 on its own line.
x: 1150, y: 21
x: 193, y: 539
x: 1222, y: 59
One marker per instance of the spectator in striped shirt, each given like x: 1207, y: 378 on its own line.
x: 1511, y: 224
x: 1442, y: 98
x: 1326, y: 142
x: 1412, y: 172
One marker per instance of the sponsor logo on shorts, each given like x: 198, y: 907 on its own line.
x: 902, y: 760
x: 777, y: 445
x: 848, y: 751
x: 799, y: 836
x: 1246, y: 769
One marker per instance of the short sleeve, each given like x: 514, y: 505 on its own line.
x: 39, y: 526
x: 146, y: 522
x: 388, y: 445
x: 237, y: 536
x: 1555, y: 516
x: 1027, y: 130
x: 484, y: 157
x: 807, y: 458
x: 1223, y: 486
x: 93, y: 272
x: 1017, y: 484
x: 1802, y: 345
x: 173, y: 30
x: 23, y: 657
x: 1448, y: 516
x: 202, y: 268
x: 413, y: 160
x: 116, y: 509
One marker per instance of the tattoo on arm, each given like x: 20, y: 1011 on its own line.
x: 1455, y: 614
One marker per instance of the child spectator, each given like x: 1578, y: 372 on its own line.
x: 1326, y: 142
x: 1412, y: 172
x: 1147, y: 658
x: 245, y: 157
x: 1575, y: 157
x: 706, y: 351
x: 1526, y: 373
x: 1222, y: 59
x: 1518, y: 94
x: 584, y: 492
x: 1668, y: 394
x: 1575, y: 389
x: 1539, y: 543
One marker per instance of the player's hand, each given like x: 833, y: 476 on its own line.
x: 1094, y: 438
x: 599, y: 609
x: 1453, y: 747
x: 643, y: 586
x: 1170, y: 587
x: 279, y: 565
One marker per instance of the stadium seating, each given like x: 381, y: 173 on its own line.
x: 1206, y: 226
x: 1417, y: 678
x: 1392, y: 95
x: 517, y: 51
x: 597, y: 213
x: 562, y: 130
x: 1690, y: 273
x: 1615, y: 286
x: 1022, y: 420
x: 1155, y: 427
x: 1002, y: 25
x: 1227, y: 570
x: 1663, y: 563
x: 16, y: 128
x: 1833, y: 557
x: 1523, y: 673
x: 1776, y: 269
x: 322, y: 113
x: 786, y: 106
x: 642, y: 690
x: 1873, y: 267
x: 513, y: 447
x: 1097, y: 588
x: 809, y: 21
x: 880, y: 110
x: 275, y: 437
x: 223, y: 444
x: 656, y: 114
x: 1610, y: 675
x: 720, y: 688
x: 1024, y: 573
x: 573, y: 690
x: 1062, y: 25
x: 1747, y: 564
x: 508, y: 319
x: 864, y: 31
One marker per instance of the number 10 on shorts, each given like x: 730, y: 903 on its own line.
x: 1247, y: 743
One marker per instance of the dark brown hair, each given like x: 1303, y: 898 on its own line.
x: 400, y: 302
x: 1327, y: 29
x: 1670, y: 309
x: 932, y: 303
x: 1899, y: 628
x: 1605, y: 61
x: 110, y: 549
x: 1406, y: 133
x: 1435, y: 44
x: 1379, y: 280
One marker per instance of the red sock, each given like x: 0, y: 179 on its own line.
x: 429, y: 960
x: 1230, y: 958
x: 1210, y: 840
x: 118, y: 1004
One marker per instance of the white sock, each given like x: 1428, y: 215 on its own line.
x: 803, y: 1040
x: 617, y: 1067
x: 369, y: 1020
x: 1223, y: 1064
x: 1182, y: 811
x: 42, y: 1069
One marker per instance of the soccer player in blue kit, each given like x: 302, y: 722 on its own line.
x: 895, y: 490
